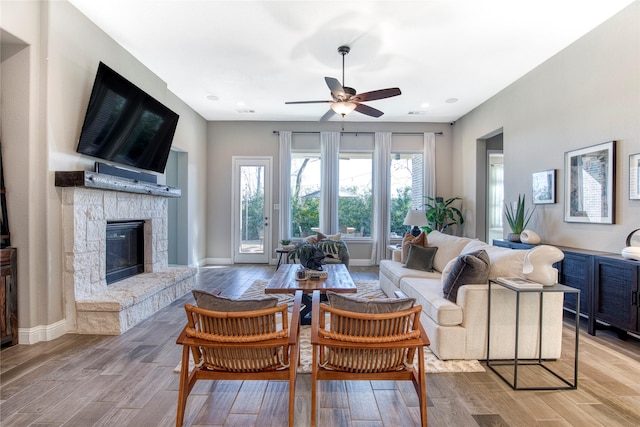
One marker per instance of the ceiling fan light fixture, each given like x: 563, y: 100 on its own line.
x: 343, y: 108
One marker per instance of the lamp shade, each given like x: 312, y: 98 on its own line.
x: 343, y: 107
x: 416, y: 217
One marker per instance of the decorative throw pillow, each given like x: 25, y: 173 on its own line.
x: 468, y: 269
x: 420, y: 240
x: 421, y: 258
x: 366, y: 305
x: 217, y: 303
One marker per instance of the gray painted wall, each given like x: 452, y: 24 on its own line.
x: 41, y: 120
x: 587, y: 94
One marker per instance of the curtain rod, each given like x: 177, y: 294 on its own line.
x: 276, y: 132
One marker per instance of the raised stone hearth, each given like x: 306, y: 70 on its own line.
x: 93, y: 307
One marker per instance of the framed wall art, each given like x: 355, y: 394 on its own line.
x: 589, y: 184
x: 634, y: 176
x: 543, y: 187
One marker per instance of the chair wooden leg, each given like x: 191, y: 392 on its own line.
x: 183, y: 393
x: 314, y: 386
x: 422, y: 394
x: 292, y: 382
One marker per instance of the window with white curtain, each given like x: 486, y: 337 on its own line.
x: 354, y: 188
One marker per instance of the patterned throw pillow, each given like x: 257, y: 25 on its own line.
x: 420, y: 240
x: 471, y: 268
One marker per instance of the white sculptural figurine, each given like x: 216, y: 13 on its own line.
x: 631, y: 252
x: 538, y: 264
x: 530, y: 237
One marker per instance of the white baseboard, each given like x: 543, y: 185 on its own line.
x: 42, y: 332
x: 218, y: 261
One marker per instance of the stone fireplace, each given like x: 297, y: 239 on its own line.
x: 89, y: 202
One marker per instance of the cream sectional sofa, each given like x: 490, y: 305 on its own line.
x: 459, y: 330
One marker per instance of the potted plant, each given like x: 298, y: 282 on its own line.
x: 310, y: 256
x: 286, y: 244
x: 440, y: 214
x: 518, y: 217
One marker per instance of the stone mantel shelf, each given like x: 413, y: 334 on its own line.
x: 101, y: 181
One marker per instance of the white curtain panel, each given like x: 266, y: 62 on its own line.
x: 430, y: 164
x: 329, y: 181
x: 382, y: 196
x: 284, y: 221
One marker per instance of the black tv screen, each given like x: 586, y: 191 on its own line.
x: 125, y: 125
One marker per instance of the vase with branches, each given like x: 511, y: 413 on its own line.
x: 518, y: 216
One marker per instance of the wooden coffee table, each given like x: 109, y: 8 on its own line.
x: 284, y: 282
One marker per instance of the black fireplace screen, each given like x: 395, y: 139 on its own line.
x: 125, y: 250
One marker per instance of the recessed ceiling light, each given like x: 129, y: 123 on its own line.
x: 451, y: 100
x: 240, y: 104
x: 213, y: 98
x: 425, y: 105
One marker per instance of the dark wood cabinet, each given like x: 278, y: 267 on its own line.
x: 576, y: 270
x: 8, y: 296
x: 616, y: 292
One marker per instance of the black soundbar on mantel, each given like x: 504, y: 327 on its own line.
x: 101, y: 181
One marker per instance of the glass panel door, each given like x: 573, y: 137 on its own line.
x: 252, y: 219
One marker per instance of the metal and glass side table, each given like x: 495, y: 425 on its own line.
x: 539, y: 362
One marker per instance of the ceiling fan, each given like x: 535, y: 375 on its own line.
x: 345, y: 99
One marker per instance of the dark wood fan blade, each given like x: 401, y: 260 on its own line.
x: 376, y: 94
x: 336, y: 88
x: 327, y: 115
x: 307, y: 102
x: 369, y: 111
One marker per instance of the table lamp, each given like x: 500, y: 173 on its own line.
x: 417, y: 218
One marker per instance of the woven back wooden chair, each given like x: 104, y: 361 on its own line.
x: 245, y: 345
x: 362, y: 346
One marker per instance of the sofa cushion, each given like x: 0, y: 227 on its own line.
x: 475, y: 245
x: 449, y: 247
x: 506, y: 262
x: 217, y: 303
x: 395, y: 271
x: 471, y: 268
x: 421, y: 258
x: 367, y: 305
x: 428, y: 294
x: 408, y: 240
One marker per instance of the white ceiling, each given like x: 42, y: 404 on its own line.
x: 255, y: 55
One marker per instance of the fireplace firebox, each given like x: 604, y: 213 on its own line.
x: 125, y: 250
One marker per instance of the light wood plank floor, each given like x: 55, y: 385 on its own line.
x: 128, y: 380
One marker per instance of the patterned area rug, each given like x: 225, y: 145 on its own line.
x: 366, y: 288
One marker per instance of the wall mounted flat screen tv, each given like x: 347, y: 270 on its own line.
x: 125, y: 125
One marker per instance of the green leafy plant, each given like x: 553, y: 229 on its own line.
x: 440, y: 214
x: 517, y: 215
x: 285, y: 242
x: 309, y: 255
